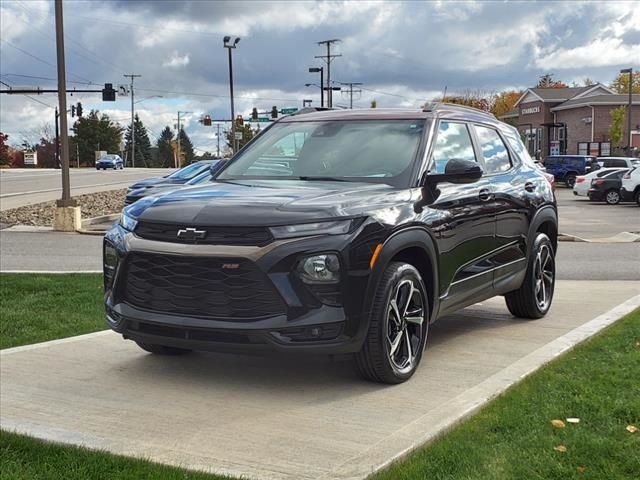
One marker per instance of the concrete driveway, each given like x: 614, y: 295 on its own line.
x: 286, y: 418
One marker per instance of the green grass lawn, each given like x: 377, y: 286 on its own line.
x: 35, y: 308
x: 511, y: 438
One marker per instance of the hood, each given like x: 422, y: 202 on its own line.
x: 268, y: 202
x: 149, y: 182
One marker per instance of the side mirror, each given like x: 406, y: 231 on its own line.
x: 456, y: 171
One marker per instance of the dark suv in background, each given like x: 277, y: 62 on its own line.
x: 339, y: 232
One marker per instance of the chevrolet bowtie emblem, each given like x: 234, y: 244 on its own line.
x: 191, y: 234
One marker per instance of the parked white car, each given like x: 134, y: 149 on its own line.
x: 622, y: 162
x: 631, y: 186
x: 583, y: 182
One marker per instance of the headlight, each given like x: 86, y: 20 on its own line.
x: 320, y: 269
x: 127, y: 222
x: 337, y: 227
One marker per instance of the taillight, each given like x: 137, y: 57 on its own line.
x: 627, y: 176
x: 580, y: 179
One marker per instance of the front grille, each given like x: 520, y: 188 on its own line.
x: 239, y: 236
x: 222, y: 288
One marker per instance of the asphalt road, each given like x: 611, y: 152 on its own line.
x: 590, y: 220
x: 19, y: 187
x: 55, y: 251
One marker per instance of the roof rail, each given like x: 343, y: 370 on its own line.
x: 433, y: 106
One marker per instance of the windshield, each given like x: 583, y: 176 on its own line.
x: 381, y: 151
x: 189, y: 171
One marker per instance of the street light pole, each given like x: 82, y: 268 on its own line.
x: 630, y: 72
x: 133, y: 130
x: 228, y: 45
x: 66, y: 200
x: 321, y: 70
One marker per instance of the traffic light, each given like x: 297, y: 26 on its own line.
x: 274, y: 112
x: 73, y: 110
x: 239, y: 121
x: 108, y: 93
x: 254, y: 114
x: 206, y: 121
x: 78, y: 109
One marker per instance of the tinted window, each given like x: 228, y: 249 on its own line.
x: 189, y: 171
x: 495, y: 154
x: 453, y: 141
x: 376, y: 151
x: 551, y: 161
x: 615, y: 163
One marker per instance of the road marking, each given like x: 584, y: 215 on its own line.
x: 79, y: 187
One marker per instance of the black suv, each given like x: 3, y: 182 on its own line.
x: 339, y: 232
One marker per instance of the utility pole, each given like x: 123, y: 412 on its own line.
x: 66, y: 200
x: 57, y: 155
x: 229, y: 46
x: 218, y: 137
x: 178, y: 138
x: 328, y: 58
x: 133, y: 130
x: 352, y: 91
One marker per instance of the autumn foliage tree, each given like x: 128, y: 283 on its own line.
x: 621, y: 83
x: 504, y: 102
x: 5, y: 153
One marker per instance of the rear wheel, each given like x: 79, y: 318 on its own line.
x: 570, y: 181
x: 398, y: 326
x: 637, y: 197
x: 533, y: 298
x: 612, y: 197
x: 162, y: 349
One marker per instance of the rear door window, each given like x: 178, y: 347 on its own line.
x: 453, y: 141
x: 494, y: 151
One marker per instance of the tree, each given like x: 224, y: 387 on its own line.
x: 186, y: 148
x: 616, y: 129
x: 547, y: 81
x: 96, y: 132
x: 165, y: 148
x: 374, y: 104
x: 247, y: 135
x: 143, y: 145
x: 473, y: 98
x: 504, y: 102
x: 5, y: 154
x: 621, y: 83
x: 46, y: 153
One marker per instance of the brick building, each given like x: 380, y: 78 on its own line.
x: 558, y: 121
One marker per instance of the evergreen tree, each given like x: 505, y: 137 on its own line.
x: 247, y: 135
x: 165, y: 148
x: 143, y: 145
x: 186, y: 148
x: 96, y: 132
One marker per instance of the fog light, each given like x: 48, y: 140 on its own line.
x: 320, y: 269
x: 316, y: 332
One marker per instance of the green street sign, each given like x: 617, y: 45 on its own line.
x: 259, y: 120
x: 286, y: 111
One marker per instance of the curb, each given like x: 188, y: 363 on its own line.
x: 622, y: 237
x: 97, y: 220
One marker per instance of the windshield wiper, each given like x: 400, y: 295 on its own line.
x: 323, y: 179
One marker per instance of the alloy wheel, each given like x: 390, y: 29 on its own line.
x: 544, y: 275
x: 613, y: 197
x: 405, y: 316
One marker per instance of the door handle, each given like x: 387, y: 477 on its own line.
x: 485, y: 195
x: 529, y: 186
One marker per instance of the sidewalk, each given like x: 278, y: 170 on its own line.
x: 284, y: 418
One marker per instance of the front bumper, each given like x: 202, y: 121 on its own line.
x: 307, y: 324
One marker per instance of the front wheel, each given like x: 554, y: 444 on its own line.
x: 398, y: 326
x: 612, y: 197
x: 637, y: 195
x: 162, y: 349
x: 533, y: 298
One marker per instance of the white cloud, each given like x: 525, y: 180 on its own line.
x: 600, y: 52
x: 175, y: 60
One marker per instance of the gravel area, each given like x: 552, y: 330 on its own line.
x: 41, y: 214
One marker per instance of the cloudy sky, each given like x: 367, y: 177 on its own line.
x: 403, y: 52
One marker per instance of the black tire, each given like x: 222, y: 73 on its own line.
x: 637, y: 197
x: 162, y: 349
x: 612, y: 197
x: 376, y: 361
x: 525, y: 302
x: 570, y: 180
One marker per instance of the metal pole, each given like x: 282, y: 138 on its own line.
x: 57, y: 155
x: 233, y: 116
x: 329, y: 92
x: 77, y: 154
x: 322, y: 86
x: 178, y: 140
x: 218, y: 138
x: 66, y: 200
x: 133, y: 130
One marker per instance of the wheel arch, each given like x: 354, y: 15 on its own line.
x: 415, y: 246
x: 544, y: 221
